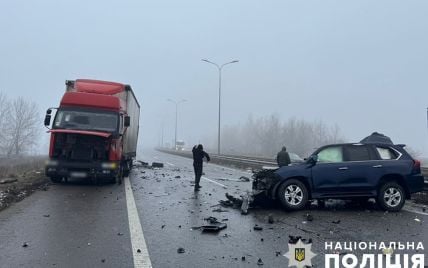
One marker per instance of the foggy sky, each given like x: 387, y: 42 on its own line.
x: 360, y: 64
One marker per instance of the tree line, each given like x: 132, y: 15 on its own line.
x: 19, y: 125
x: 265, y: 136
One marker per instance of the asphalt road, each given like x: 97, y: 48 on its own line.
x: 80, y: 225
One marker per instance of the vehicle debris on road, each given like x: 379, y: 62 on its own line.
x: 257, y: 228
x: 214, y: 225
x: 157, y: 165
x: 8, y: 180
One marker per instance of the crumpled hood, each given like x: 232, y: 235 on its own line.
x: 84, y: 132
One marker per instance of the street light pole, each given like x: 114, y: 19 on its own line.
x: 219, y: 68
x: 176, y: 119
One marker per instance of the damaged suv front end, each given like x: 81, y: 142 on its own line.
x: 264, y: 182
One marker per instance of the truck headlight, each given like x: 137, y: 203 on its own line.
x: 109, y: 165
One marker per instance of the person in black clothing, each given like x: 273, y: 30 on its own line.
x: 198, y: 156
x: 283, y: 158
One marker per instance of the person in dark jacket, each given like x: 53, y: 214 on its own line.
x: 198, y: 156
x: 283, y: 158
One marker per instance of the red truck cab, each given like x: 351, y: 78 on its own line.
x: 94, y: 132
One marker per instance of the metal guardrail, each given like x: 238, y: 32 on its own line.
x: 244, y: 162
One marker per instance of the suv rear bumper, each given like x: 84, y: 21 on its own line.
x: 72, y: 169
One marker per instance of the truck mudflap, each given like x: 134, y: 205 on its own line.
x: 81, y: 170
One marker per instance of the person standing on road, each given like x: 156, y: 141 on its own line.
x: 198, y: 156
x: 283, y: 158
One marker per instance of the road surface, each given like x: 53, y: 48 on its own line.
x: 147, y: 219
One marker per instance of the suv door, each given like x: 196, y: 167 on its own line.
x: 362, y: 173
x: 328, y: 171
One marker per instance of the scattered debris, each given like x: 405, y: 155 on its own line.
x: 257, y: 228
x: 145, y: 164
x: 270, y: 219
x: 157, y: 165
x: 293, y: 239
x: 417, y: 220
x: 234, y: 200
x: 163, y: 226
x: 46, y: 215
x: 336, y: 221
x: 277, y: 253
x: 214, y: 225
x: 226, y: 203
x: 177, y: 177
x: 24, y: 245
x: 119, y: 234
x: 244, y: 179
x: 260, y: 262
x: 220, y: 210
x: 243, y: 258
x: 160, y: 195
x: 8, y: 180
x: 309, y: 217
x: 138, y: 250
x: 181, y: 250
x: 103, y: 260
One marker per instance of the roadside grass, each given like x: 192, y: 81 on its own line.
x: 26, y: 175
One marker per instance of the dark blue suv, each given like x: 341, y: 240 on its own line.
x: 346, y: 171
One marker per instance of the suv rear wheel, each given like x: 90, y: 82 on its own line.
x: 391, y: 196
x: 293, y: 194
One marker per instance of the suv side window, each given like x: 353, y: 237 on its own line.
x: 357, y: 153
x: 386, y: 153
x: 331, y: 155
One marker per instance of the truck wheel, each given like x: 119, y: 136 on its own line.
x: 126, y: 168
x: 293, y: 194
x: 119, y: 176
x: 56, y: 179
x: 391, y: 196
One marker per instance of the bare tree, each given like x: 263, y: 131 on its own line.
x: 265, y: 136
x: 4, y: 113
x: 22, y: 126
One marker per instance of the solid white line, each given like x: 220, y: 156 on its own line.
x: 142, y: 258
x: 414, y: 210
x: 222, y: 185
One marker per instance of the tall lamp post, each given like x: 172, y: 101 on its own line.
x: 176, y: 117
x: 219, y: 67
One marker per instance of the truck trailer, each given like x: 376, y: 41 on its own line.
x: 94, y: 131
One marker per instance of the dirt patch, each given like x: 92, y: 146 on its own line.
x: 19, y: 177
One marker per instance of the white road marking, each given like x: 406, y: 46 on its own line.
x: 170, y: 164
x: 222, y: 185
x: 414, y: 210
x: 142, y: 258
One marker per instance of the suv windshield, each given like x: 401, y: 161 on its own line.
x: 86, y: 120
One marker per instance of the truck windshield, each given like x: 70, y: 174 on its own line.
x: 86, y: 120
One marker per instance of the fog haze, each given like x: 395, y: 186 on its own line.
x: 361, y: 65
